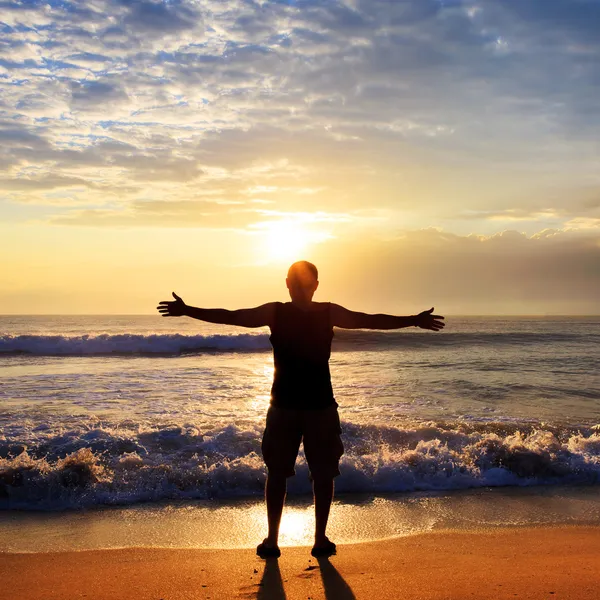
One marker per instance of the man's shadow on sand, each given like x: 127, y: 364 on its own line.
x: 334, y: 585
x: 271, y: 585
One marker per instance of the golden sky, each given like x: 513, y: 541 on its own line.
x: 421, y: 152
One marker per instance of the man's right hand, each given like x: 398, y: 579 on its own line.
x: 427, y: 320
x: 174, y: 308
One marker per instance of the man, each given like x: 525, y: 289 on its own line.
x: 303, y: 408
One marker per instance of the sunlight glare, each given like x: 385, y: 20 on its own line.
x: 285, y: 240
x: 263, y: 375
x: 297, y: 526
x: 288, y: 240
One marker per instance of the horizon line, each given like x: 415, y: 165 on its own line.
x: 159, y: 316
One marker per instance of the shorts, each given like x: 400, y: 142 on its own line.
x: 318, y: 429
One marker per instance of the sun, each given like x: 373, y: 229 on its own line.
x: 287, y: 241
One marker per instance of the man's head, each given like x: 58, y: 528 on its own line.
x: 302, y: 280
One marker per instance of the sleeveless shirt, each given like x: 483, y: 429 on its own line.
x: 301, y: 341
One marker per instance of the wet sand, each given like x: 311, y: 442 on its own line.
x: 544, y: 562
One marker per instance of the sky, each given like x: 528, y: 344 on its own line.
x: 420, y: 152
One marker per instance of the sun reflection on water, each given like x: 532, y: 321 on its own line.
x: 297, y: 527
x: 263, y: 375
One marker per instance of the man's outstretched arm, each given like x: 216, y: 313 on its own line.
x: 349, y: 319
x: 259, y: 316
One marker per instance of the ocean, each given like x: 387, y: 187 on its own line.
x: 133, y: 411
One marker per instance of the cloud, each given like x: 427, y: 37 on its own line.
x: 14, y: 134
x: 461, y: 108
x: 242, y: 216
x: 161, y: 213
x: 565, y: 210
x: 90, y: 94
x: 555, y: 271
x: 584, y: 223
x: 558, y: 18
x: 160, y: 17
x: 47, y: 182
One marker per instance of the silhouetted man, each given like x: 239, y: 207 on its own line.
x: 303, y: 408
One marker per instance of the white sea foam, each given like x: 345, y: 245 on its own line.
x: 126, y: 463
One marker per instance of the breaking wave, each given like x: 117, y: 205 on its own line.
x: 173, y: 344
x: 127, y: 462
x: 122, y: 344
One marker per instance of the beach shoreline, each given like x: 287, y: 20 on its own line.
x: 355, y: 518
x: 515, y: 562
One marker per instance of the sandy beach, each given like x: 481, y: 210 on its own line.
x: 551, y: 562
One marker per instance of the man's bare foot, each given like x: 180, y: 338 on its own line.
x: 323, y: 548
x: 268, y: 550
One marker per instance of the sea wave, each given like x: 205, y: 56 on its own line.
x: 123, y: 344
x: 128, y: 462
x: 174, y: 344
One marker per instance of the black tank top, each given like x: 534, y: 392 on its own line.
x: 301, y: 343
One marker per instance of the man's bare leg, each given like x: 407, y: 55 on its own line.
x: 323, y: 491
x: 275, y: 496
